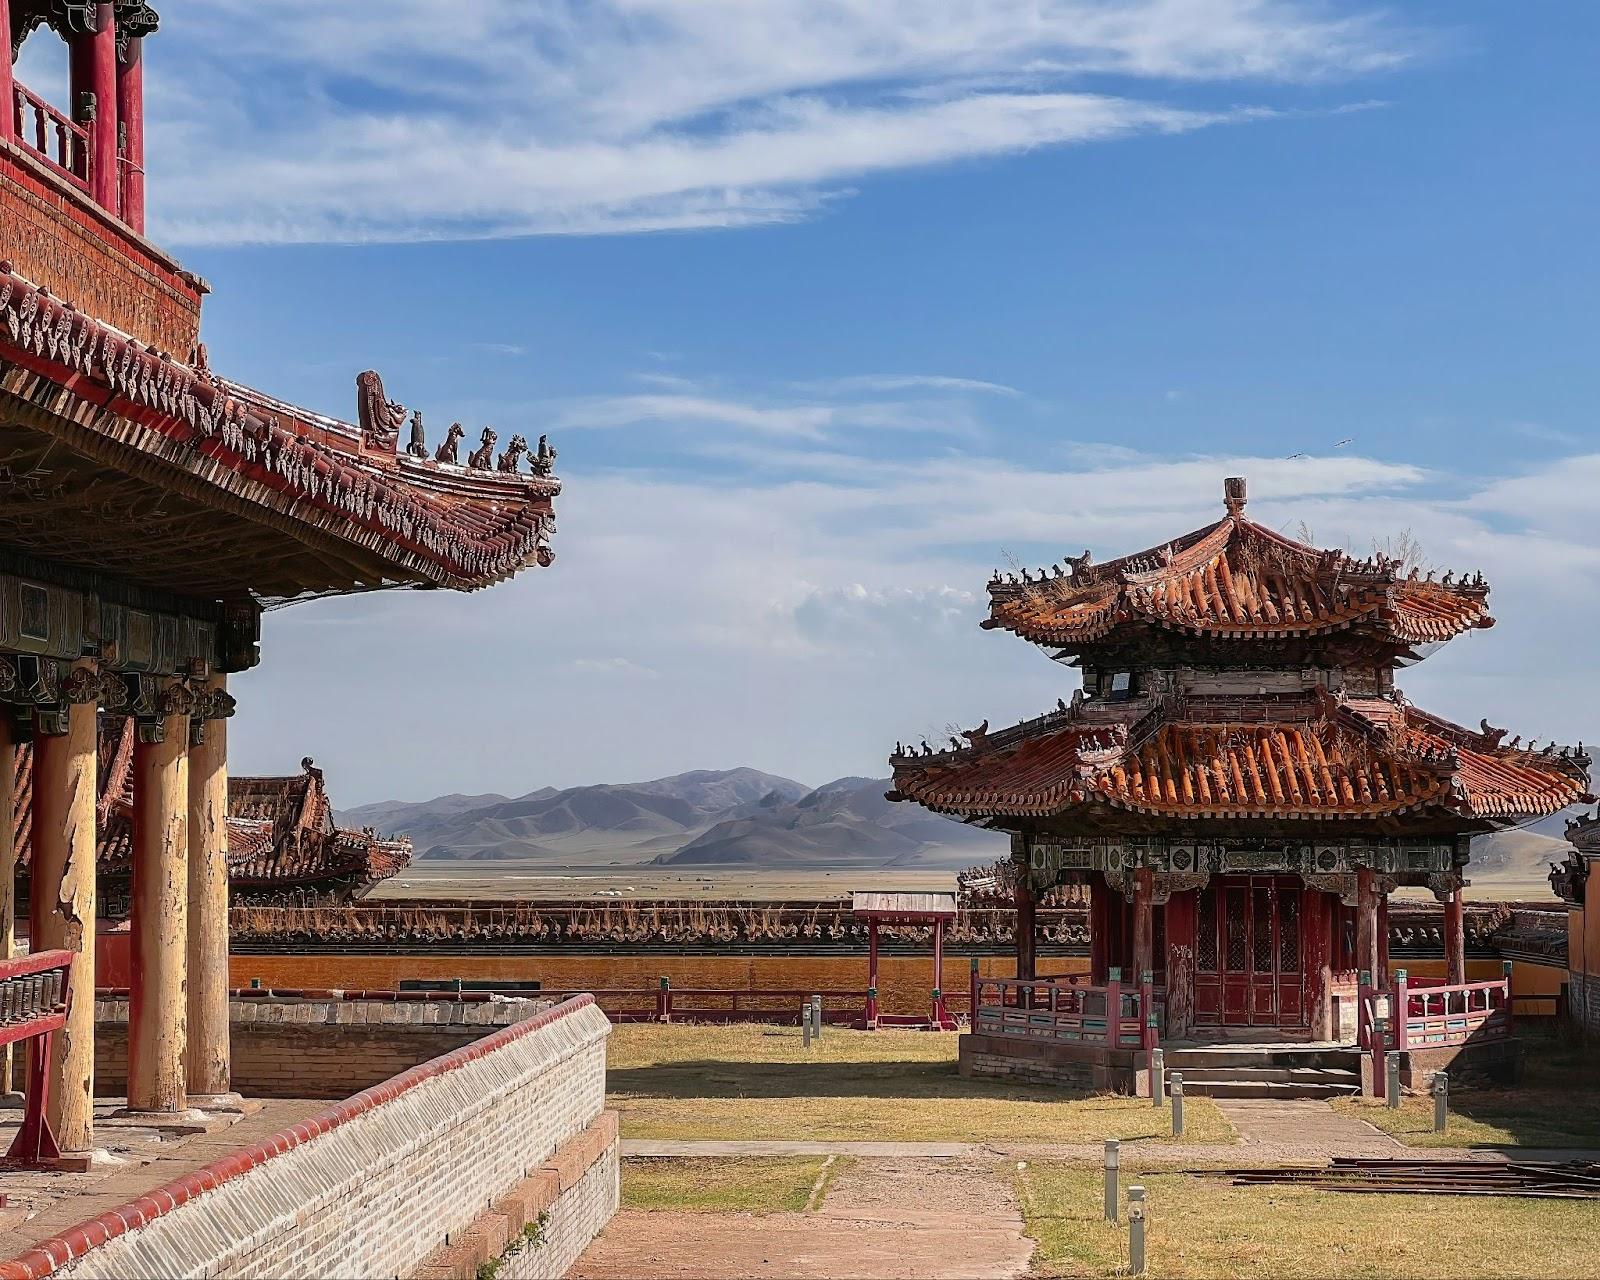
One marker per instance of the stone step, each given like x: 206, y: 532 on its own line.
x: 1213, y: 1087
x: 1271, y: 1075
x: 1230, y: 1058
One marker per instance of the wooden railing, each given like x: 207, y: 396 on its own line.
x: 52, y: 137
x: 34, y: 997
x: 1063, y: 1009
x: 666, y: 1003
x: 1430, y: 1014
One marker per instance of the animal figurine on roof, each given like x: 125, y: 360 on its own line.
x: 381, y: 419
x: 480, y: 458
x: 513, y: 455
x: 418, y: 446
x: 449, y: 451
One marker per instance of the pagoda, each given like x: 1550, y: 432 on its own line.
x: 1238, y: 781
x: 151, y: 510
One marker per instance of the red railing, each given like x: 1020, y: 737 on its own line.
x: 52, y: 137
x: 1430, y: 1013
x: 34, y: 997
x: 1062, y: 1009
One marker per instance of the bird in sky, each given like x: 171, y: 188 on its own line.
x: 1293, y: 456
x: 1345, y: 441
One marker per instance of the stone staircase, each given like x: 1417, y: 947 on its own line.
x: 1266, y: 1071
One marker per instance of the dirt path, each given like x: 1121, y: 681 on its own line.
x: 923, y: 1219
x: 1304, y: 1129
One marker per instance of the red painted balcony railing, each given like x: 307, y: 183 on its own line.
x: 1436, y: 1014
x: 51, y: 137
x: 33, y: 995
x: 1061, y: 1009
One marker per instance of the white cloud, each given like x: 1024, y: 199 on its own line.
x: 299, y: 120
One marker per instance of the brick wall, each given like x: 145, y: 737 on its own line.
x: 1061, y: 1065
x: 314, y: 1048
x: 372, y: 1186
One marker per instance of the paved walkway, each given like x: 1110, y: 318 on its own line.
x: 907, y: 1217
x: 1294, y: 1130
x: 719, y: 1147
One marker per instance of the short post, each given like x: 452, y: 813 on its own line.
x: 1378, y: 1037
x: 1505, y: 972
x: 1401, y: 1013
x: 1136, y: 1231
x: 1113, y: 1158
x: 1177, y: 1104
x: 1147, y: 1008
x: 1158, y: 1083
x: 1441, y: 1101
x: 805, y: 1025
x: 972, y: 983
x: 816, y: 1017
x: 1391, y: 1078
x: 664, y: 1000
x: 1113, y: 1007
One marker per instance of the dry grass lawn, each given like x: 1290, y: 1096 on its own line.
x: 1555, y: 1105
x: 757, y: 1082
x: 728, y: 1184
x: 1204, y: 1228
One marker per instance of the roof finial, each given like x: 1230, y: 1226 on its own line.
x: 1233, y: 494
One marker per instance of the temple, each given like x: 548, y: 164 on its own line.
x: 1238, y: 783
x: 150, y: 511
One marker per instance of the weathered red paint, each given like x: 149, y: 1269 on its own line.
x: 1181, y: 913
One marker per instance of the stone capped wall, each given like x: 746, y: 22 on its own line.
x: 320, y: 1047
x: 1583, y: 1000
x: 374, y: 1185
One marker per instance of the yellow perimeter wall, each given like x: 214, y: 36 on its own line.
x: 904, y: 982
x: 1583, y: 928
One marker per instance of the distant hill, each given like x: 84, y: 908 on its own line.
x: 608, y: 822
x: 845, y: 823
x: 1522, y: 856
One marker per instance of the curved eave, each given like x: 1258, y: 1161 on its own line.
x: 301, y: 478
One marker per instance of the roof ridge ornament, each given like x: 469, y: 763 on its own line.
x: 1235, y: 494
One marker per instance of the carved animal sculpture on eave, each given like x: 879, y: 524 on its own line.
x: 381, y: 418
x: 480, y: 458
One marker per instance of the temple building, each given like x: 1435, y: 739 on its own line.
x: 1239, y: 783
x: 1577, y: 885
x: 150, y: 511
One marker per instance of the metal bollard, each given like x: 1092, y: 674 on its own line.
x: 816, y: 1017
x: 1441, y: 1101
x: 1136, y: 1231
x: 1177, y: 1104
x: 1158, y: 1081
x: 805, y: 1026
x: 1113, y: 1157
x: 1391, y: 1078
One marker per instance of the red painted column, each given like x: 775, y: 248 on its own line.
x: 1143, y: 923
x: 1318, y: 914
x: 1455, y: 941
x: 8, y: 85
x: 872, y: 974
x: 938, y: 974
x: 94, y: 70
x: 1099, y: 930
x: 1382, y: 976
x: 1026, y: 935
x: 1182, y: 926
x: 130, y: 122
x: 1367, y: 959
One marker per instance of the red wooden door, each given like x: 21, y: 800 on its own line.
x: 1249, y: 953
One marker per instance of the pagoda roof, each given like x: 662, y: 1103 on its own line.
x: 1238, y: 580
x: 1292, y: 756
x: 281, y: 834
x: 146, y: 466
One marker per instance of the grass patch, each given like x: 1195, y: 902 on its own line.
x: 1203, y: 1228
x: 756, y: 1184
x: 1555, y: 1105
x: 757, y: 1082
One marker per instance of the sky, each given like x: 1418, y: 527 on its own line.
x: 833, y: 307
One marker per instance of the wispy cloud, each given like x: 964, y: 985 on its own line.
x: 886, y: 382
x: 511, y: 117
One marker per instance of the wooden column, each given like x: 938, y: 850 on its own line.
x: 1099, y: 929
x: 61, y: 910
x: 158, y: 1001
x: 130, y: 122
x: 8, y: 779
x: 1455, y: 940
x: 1382, y: 895
x: 94, y: 71
x: 8, y: 100
x: 1366, y: 926
x: 1143, y: 923
x: 1318, y: 913
x: 1026, y: 929
x: 1182, y: 926
x: 209, y: 1067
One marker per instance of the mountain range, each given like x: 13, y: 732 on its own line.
x: 732, y: 817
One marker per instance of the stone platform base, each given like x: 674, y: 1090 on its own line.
x: 1090, y: 1068
x: 1494, y: 1062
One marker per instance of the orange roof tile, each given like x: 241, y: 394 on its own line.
x: 1292, y: 756
x: 1236, y: 579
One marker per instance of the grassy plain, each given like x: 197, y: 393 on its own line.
x: 1206, y: 1228
x: 757, y: 1082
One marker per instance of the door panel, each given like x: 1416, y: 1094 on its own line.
x: 1249, y: 958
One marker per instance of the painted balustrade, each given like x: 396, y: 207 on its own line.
x: 51, y: 137
x: 1065, y: 1009
x: 1429, y: 1013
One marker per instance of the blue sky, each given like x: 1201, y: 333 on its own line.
x: 833, y: 307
